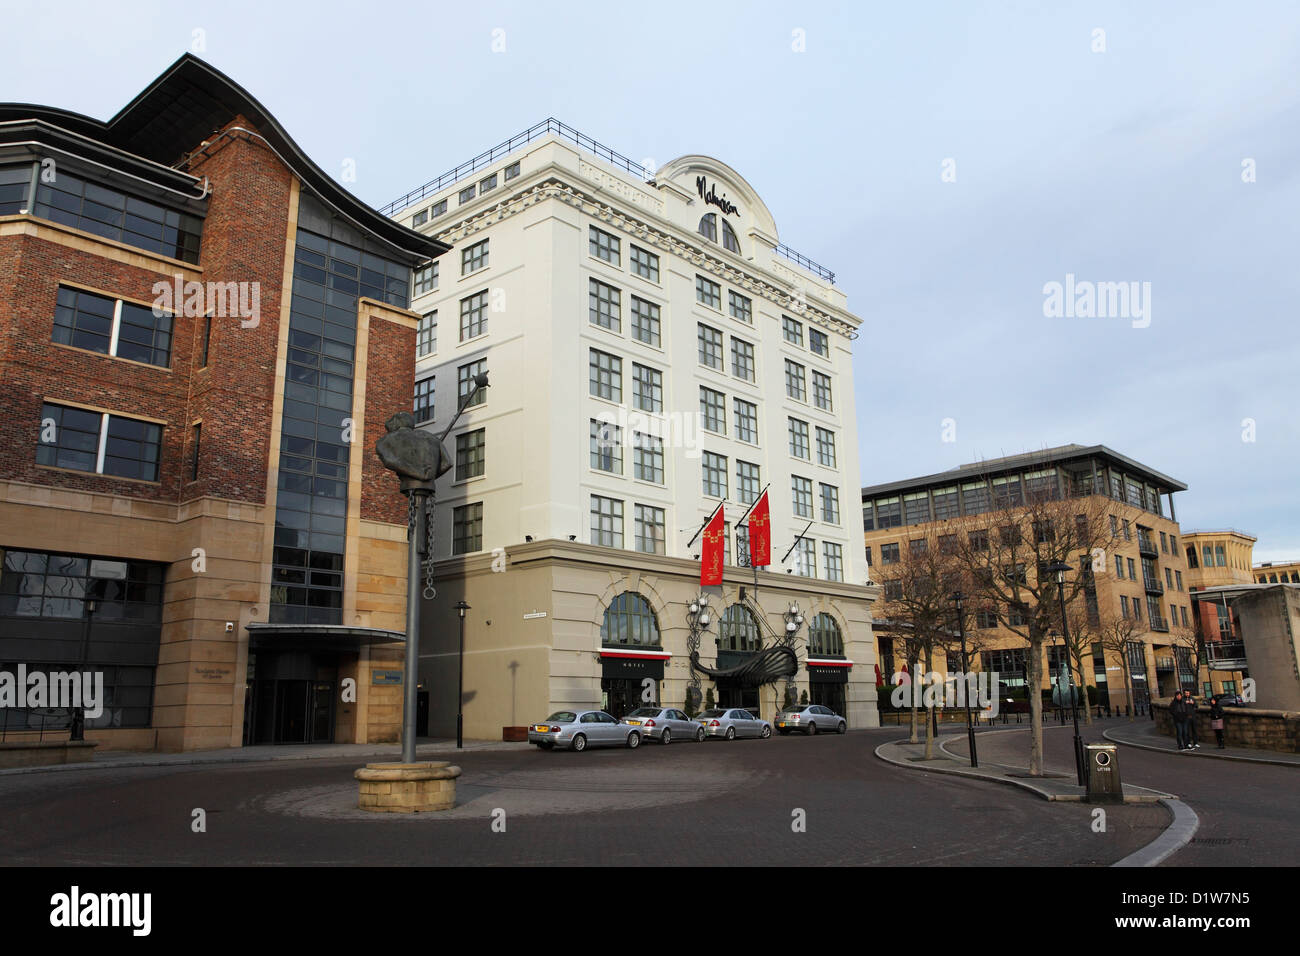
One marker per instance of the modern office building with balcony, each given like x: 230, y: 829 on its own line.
x: 1219, y: 559
x: 1141, y: 591
x: 201, y: 335
x: 654, y: 350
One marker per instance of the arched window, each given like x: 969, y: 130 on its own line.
x: 738, y: 629
x: 824, y: 636
x: 729, y: 240
x: 709, y: 226
x: 630, y: 620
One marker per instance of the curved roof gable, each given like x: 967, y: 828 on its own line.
x: 724, y: 181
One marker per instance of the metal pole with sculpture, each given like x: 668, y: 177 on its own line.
x: 418, y: 458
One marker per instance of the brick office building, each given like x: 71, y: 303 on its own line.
x: 201, y: 335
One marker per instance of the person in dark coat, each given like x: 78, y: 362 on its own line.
x: 1216, y: 719
x: 1193, y: 741
x: 1178, y: 712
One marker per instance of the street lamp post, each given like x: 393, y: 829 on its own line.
x: 957, y: 599
x: 1059, y: 568
x: 697, y: 621
x: 461, y: 608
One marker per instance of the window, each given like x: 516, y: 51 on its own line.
x: 426, y: 337
x: 979, y: 541
x: 467, y: 529
x: 473, y: 258
x: 113, y: 215
x: 649, y: 529
x: 473, y: 316
x: 1220, y: 560
x: 606, y: 447
x: 947, y: 544
x: 710, y: 341
x: 794, y: 381
x: 470, y: 454
x: 630, y: 620
x: 604, y: 306
x: 822, y: 391
x: 1131, y: 572
x: 746, y: 418
x: 648, y: 458
x: 1164, y: 542
x: 606, y: 521
x: 645, y: 263
x: 1044, y: 531
x: 889, y: 553
x: 825, y: 447
x: 645, y: 321
x: 831, y: 504
x: 1009, y: 535
x: 918, y: 546
x: 1173, y: 544
x: 488, y: 184
x: 1043, y: 485
x: 1178, y: 577
x: 1119, y: 567
x: 194, y: 461
x: 511, y: 171
x: 1128, y: 532
x: 1007, y: 493
x: 801, y: 496
x: 729, y: 240
x: 916, y: 508
x: 975, y: 498
x: 425, y: 279
x: 868, y: 557
x: 647, y: 388
x: 14, y: 184
x: 742, y: 359
x: 98, y: 442
x: 889, y: 513
x: 819, y: 342
x: 945, y: 503
x: 747, y: 482
x: 466, y: 194
x: 708, y: 293
x: 713, y: 411
x: 893, y: 590
x: 438, y: 209
x: 112, y: 327
x: 709, y: 226
x: 805, y: 558
x: 465, y: 382
x: 798, y: 438
x: 715, y: 475
x: 1169, y: 579
x: 423, y: 406
x: 604, y: 246
x: 1182, y: 613
x: 986, y: 620
x: 792, y: 330
x: 740, y: 307
x: 605, y: 376
x: 738, y: 630
x: 833, y: 561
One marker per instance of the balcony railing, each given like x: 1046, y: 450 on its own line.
x: 1153, y: 585
x: 1147, y: 546
x: 1159, y: 624
x: 1225, y: 650
x: 1164, y: 663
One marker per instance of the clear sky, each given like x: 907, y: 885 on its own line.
x: 1122, y: 164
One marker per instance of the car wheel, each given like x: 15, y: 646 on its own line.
x: 731, y: 733
x: 580, y: 742
x: 699, y: 736
x: 767, y: 732
x: 812, y: 728
x: 633, y: 740
x: 842, y: 727
x: 666, y: 737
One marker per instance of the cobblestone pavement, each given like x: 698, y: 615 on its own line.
x: 686, y: 804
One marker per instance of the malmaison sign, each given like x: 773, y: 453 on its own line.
x: 710, y: 196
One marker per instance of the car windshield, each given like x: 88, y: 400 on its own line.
x: 562, y: 717
x: 645, y: 712
x: 713, y: 713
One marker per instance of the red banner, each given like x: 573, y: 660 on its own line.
x: 760, y: 534
x: 714, y: 543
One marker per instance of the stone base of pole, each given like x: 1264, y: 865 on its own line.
x: 407, y: 787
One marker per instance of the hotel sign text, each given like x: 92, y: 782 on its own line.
x: 710, y: 196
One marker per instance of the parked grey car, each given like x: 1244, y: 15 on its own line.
x: 664, y: 724
x: 580, y: 729
x: 730, y: 723
x: 810, y: 719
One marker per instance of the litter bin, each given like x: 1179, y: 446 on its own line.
x: 1103, y: 774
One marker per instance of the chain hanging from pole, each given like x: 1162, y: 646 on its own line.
x: 429, y: 592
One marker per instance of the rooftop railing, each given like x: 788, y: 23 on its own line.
x: 548, y: 127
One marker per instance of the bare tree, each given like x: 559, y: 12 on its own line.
x: 1084, y: 631
x: 1004, y: 555
x: 1116, y: 633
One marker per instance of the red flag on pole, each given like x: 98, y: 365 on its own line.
x: 711, y: 559
x: 760, y: 533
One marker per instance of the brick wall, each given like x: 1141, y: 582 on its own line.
x: 389, y: 376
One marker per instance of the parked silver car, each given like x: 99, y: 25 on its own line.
x: 664, y: 724
x: 810, y: 719
x: 580, y: 729
x: 733, y: 722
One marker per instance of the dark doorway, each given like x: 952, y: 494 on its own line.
x: 421, y: 713
x: 621, y: 696
x: 734, y: 694
x: 291, y: 699
x: 828, y: 695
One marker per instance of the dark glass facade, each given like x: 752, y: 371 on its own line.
x: 334, y: 266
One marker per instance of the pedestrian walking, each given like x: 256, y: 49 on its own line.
x: 1178, y: 712
x: 1193, y: 741
x: 1216, y: 719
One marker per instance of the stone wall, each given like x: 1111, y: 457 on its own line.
x: 1242, y: 727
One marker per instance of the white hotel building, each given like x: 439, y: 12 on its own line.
x: 608, y: 303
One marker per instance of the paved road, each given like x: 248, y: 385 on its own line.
x: 686, y: 804
x: 1247, y: 811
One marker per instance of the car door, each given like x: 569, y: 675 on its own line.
x: 678, y: 724
x: 744, y: 723
x: 611, y: 730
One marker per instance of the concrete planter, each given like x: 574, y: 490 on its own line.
x: 407, y: 787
